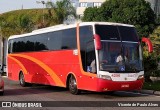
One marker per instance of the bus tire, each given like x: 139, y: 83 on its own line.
x: 22, y: 80
x: 73, y: 86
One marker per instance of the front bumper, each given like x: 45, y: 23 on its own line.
x: 109, y: 85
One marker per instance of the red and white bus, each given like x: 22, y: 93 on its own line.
x: 82, y: 56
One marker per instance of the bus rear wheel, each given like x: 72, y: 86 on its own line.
x: 22, y: 80
x: 73, y: 85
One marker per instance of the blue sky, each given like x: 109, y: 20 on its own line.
x: 10, y: 5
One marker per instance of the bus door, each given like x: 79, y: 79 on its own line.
x: 87, y: 51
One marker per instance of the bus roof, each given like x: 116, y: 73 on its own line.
x: 64, y: 26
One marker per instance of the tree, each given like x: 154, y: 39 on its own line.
x: 92, y: 14
x: 150, y: 65
x: 39, y: 23
x: 151, y: 68
x: 7, y: 28
x: 135, y: 12
x: 62, y: 10
x: 24, y: 23
x: 155, y: 39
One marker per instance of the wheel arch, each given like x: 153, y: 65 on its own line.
x: 68, y: 77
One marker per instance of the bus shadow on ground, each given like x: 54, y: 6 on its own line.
x: 43, y: 89
x: 34, y: 89
x: 130, y: 94
x: 116, y: 94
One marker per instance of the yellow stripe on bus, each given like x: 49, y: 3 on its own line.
x: 45, y: 67
x: 19, y: 63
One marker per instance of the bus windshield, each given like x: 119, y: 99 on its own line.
x: 120, y: 57
x: 120, y: 51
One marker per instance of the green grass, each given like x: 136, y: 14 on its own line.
x: 152, y: 86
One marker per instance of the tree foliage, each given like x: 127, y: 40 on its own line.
x: 155, y: 39
x: 12, y: 23
x: 62, y: 10
x: 24, y: 23
x: 7, y: 27
x: 135, y: 12
x: 150, y: 66
x: 26, y: 20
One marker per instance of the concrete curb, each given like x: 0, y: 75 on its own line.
x: 150, y: 92
x: 157, y: 93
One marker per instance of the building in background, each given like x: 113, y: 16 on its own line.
x: 83, y: 4
x: 155, y: 5
x: 75, y: 3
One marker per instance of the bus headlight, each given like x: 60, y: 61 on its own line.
x: 104, y: 77
x: 140, y: 76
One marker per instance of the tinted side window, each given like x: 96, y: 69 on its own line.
x: 69, y: 39
x: 64, y: 39
x: 19, y: 45
x: 10, y: 46
x: 54, y: 40
x: 40, y: 42
x: 86, y: 35
x: 29, y: 42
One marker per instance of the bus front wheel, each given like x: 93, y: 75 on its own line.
x: 22, y: 80
x: 73, y: 86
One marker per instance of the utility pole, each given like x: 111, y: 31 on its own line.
x: 42, y: 2
x: 0, y: 31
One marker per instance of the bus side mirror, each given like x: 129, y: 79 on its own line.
x: 149, y: 44
x: 97, y: 42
